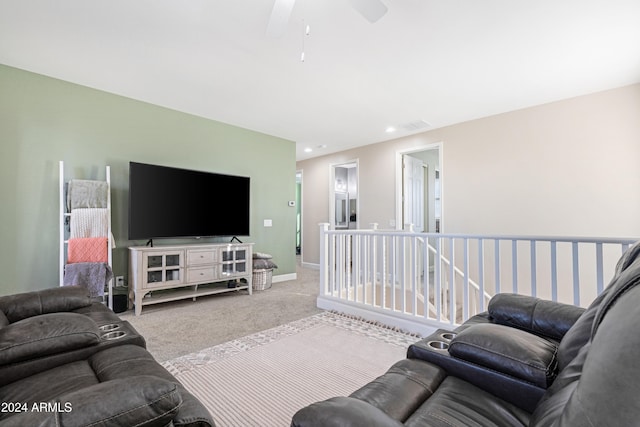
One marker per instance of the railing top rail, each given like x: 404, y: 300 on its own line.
x: 564, y: 239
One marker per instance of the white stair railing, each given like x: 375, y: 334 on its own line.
x: 422, y: 281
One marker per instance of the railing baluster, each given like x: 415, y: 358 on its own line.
x: 403, y: 274
x: 340, y: 255
x: 414, y: 275
x: 497, y: 264
x: 534, y: 268
x: 383, y: 274
x: 348, y: 264
x: 438, y: 279
x: 554, y: 270
x: 599, y: 269
x: 355, y: 263
x: 452, y: 283
x: 465, y: 290
x: 514, y: 265
x: 373, y: 263
x: 426, y: 276
x: 332, y: 248
x: 576, y: 274
x: 393, y: 265
x: 481, y: 274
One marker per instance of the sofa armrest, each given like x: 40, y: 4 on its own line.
x: 133, y: 401
x: 45, y: 335
x: 342, y: 412
x: 28, y: 304
x: 508, y: 350
x: 540, y: 317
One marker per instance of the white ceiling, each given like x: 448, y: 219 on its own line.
x: 441, y: 61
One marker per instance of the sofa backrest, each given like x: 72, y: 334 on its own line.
x: 60, y: 299
x: 601, y: 385
x: 578, y: 335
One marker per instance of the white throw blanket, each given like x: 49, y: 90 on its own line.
x: 83, y: 193
x: 91, y: 222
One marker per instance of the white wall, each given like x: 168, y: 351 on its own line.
x: 566, y: 168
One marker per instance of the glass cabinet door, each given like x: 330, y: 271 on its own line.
x: 234, y: 261
x: 163, y: 268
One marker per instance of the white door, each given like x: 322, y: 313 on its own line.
x: 413, y: 182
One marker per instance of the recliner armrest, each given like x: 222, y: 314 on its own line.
x: 342, y: 412
x: 28, y: 304
x: 541, y: 317
x: 45, y: 335
x: 512, y: 351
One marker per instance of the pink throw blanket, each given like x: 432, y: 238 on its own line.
x: 88, y: 249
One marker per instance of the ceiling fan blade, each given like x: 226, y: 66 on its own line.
x: 279, y: 17
x: 372, y: 10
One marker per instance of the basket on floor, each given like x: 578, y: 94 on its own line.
x: 262, y: 279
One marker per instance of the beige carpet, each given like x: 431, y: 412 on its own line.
x: 177, y: 328
x: 264, y: 378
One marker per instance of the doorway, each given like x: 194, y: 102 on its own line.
x: 343, y: 196
x: 419, y: 189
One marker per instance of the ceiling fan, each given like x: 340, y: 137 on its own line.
x: 371, y: 10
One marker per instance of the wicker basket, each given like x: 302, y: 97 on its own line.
x: 262, y: 279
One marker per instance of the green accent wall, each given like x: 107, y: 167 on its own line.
x: 45, y: 120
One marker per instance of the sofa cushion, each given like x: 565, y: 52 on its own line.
x: 458, y: 403
x: 403, y: 388
x: 134, y: 401
x: 127, y: 360
x: 47, y: 385
x: 62, y: 299
x: 342, y: 412
x: 504, y: 349
x: 546, y: 318
x: 44, y: 335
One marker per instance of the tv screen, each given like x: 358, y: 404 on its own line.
x: 167, y: 202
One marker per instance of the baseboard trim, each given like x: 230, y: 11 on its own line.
x: 284, y: 277
x: 415, y: 326
x: 310, y: 265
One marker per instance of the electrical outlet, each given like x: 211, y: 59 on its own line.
x: 119, y: 281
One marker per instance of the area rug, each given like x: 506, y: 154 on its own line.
x: 263, y: 379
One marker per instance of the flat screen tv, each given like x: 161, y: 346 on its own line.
x: 167, y: 202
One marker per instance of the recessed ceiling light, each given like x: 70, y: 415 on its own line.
x: 308, y: 150
x: 390, y: 129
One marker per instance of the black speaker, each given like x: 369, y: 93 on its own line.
x: 120, y: 302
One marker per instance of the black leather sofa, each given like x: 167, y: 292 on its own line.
x: 526, y: 362
x: 66, y: 360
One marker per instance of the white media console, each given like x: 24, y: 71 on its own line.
x: 169, y: 273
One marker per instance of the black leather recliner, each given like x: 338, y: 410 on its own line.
x: 526, y: 362
x: 66, y: 360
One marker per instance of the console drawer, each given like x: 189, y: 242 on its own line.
x: 199, y: 275
x: 195, y: 257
